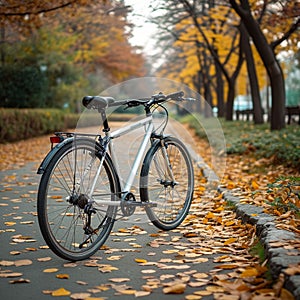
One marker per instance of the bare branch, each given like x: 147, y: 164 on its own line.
x: 36, y: 12
x: 292, y: 29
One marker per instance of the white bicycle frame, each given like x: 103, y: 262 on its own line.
x: 148, y: 124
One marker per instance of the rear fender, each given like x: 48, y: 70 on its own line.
x: 43, y: 166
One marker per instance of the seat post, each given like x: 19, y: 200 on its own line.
x: 104, y: 119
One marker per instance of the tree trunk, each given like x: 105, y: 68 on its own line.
x: 220, y: 91
x: 2, y: 45
x: 255, y: 95
x: 230, y: 99
x: 271, y: 64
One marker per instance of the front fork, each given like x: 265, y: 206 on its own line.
x: 167, y: 162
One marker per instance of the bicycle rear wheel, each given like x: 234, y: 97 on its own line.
x: 167, y: 179
x: 72, y: 224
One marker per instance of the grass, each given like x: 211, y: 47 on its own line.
x: 258, y: 250
x: 241, y: 137
x: 286, y: 194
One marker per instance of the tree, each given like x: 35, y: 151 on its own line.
x: 268, y: 56
x: 75, y: 47
x: 256, y: 100
x: 204, y: 29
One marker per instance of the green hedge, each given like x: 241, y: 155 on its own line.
x: 19, y: 124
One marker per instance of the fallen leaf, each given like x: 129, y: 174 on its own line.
x: 141, y: 293
x: 227, y: 266
x: 148, y: 271
x: 230, y: 241
x: 210, y: 215
x: 79, y: 296
x: 21, y: 280
x: 140, y: 260
x: 23, y: 262
x: 81, y: 282
x: 249, y: 273
x: 9, y: 223
x: 175, y: 289
x: 6, y: 263
x: 127, y: 292
x: 114, y: 257
x: 31, y: 249
x: 254, y: 185
x: 10, y: 275
x: 193, y: 297
x: 63, y: 276
x: 60, y: 292
x: 14, y: 252
x: 119, y: 280
x: 51, y: 270
x: 107, y: 269
x: 43, y: 259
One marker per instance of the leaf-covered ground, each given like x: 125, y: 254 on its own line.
x: 207, y: 257
x: 262, y: 168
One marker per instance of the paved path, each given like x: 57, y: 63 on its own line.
x: 23, y: 249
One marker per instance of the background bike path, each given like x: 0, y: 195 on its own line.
x: 23, y: 249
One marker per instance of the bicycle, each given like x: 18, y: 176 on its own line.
x: 80, y: 194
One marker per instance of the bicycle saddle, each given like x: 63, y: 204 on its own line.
x: 97, y: 102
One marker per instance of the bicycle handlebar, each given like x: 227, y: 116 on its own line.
x: 155, y: 99
x: 103, y: 102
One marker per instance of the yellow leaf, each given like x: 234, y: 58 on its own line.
x: 10, y: 223
x: 51, y: 270
x: 61, y: 292
x: 255, y: 185
x: 227, y: 267
x: 230, y: 185
x: 63, y: 276
x: 249, y: 273
x: 229, y: 223
x: 230, y: 241
x: 210, y: 215
x: 140, y: 260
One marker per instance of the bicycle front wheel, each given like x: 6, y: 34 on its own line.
x: 73, y: 224
x: 167, y: 179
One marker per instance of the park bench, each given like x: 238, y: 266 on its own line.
x: 292, y: 111
x: 243, y: 113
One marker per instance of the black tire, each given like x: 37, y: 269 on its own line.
x: 173, y: 197
x: 61, y: 215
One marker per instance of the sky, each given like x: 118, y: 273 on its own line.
x: 143, y: 31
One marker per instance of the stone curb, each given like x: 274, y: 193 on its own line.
x: 267, y: 233
x: 266, y: 230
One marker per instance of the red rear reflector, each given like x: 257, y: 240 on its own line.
x: 55, y: 139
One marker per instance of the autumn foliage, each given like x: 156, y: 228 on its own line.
x: 74, y: 47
